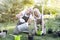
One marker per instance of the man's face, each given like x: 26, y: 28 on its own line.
x: 29, y: 12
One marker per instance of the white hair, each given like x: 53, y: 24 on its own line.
x: 31, y: 9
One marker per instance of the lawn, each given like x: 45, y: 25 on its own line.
x: 10, y: 27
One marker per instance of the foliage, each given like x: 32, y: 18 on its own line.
x: 10, y: 27
x: 53, y: 24
x: 9, y: 8
x: 28, y: 2
x: 39, y: 7
x: 50, y: 10
x: 58, y: 17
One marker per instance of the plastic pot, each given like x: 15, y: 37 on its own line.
x: 39, y: 33
x: 30, y: 37
x: 17, y: 37
x: 50, y: 31
x: 5, y: 31
x: 0, y: 31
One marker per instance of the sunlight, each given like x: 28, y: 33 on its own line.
x: 49, y: 3
x: 37, y: 1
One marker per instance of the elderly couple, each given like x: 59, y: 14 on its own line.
x: 25, y: 18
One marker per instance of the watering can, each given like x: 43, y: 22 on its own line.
x: 17, y: 37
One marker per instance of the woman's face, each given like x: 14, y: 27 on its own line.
x: 36, y: 14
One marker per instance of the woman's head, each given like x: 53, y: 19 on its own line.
x: 36, y: 12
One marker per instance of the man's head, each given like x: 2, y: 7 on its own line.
x: 29, y: 11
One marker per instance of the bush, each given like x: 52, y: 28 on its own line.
x: 53, y: 24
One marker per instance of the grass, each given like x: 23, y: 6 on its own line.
x: 10, y: 27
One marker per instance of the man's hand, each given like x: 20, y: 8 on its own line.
x: 29, y: 21
x: 18, y: 15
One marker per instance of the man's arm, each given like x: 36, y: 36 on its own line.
x: 18, y: 15
x: 21, y: 14
x: 29, y: 21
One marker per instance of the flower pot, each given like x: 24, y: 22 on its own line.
x: 55, y: 35
x: 50, y: 31
x: 30, y: 37
x: 38, y: 33
x: 5, y: 31
x: 58, y: 32
x: 17, y: 37
x: 0, y: 31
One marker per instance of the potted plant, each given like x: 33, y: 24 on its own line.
x: 31, y: 34
x: 30, y: 37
